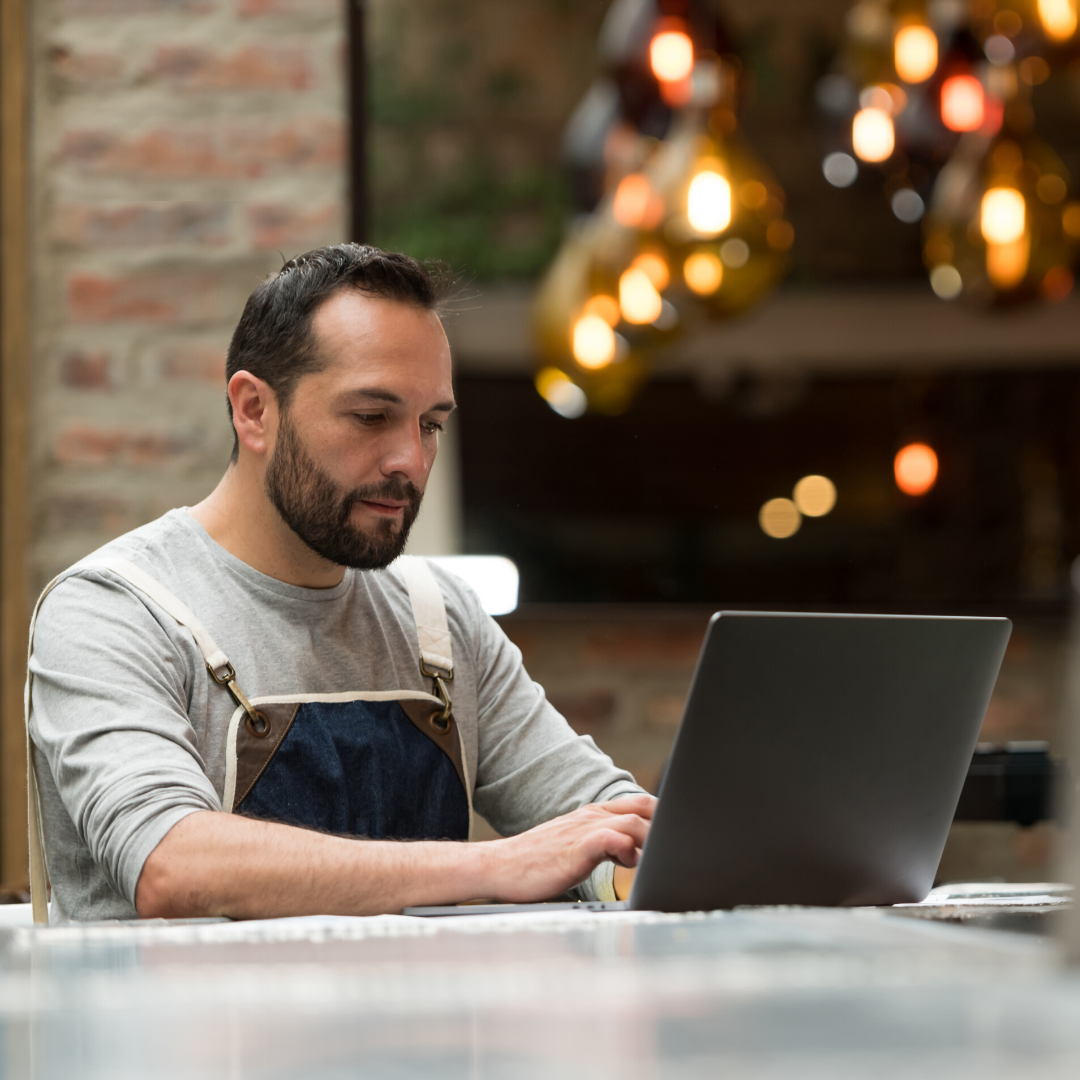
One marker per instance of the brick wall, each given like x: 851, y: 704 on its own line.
x: 178, y: 145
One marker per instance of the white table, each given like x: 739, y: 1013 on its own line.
x: 755, y: 993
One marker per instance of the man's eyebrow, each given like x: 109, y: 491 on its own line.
x: 376, y: 394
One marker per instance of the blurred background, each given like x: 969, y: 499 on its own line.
x: 846, y: 377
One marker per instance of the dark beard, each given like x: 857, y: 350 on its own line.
x: 318, y: 511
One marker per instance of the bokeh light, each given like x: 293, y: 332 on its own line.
x: 639, y: 300
x: 632, y: 199
x: 1070, y: 220
x: 564, y: 396
x: 1006, y: 264
x: 1002, y: 215
x: 671, y: 55
x: 1051, y: 188
x: 703, y: 273
x: 779, y: 518
x: 654, y: 268
x: 708, y: 204
x: 753, y: 194
x: 915, y: 53
x: 593, y: 342
x: 1058, y: 18
x: 735, y: 253
x: 840, y: 169
x: 999, y: 50
x: 916, y: 469
x: 872, y: 135
x: 963, y: 103
x: 946, y: 282
x: 907, y: 205
x: 607, y: 307
x: 815, y: 495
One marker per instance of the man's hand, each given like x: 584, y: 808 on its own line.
x: 555, y: 856
x: 225, y: 864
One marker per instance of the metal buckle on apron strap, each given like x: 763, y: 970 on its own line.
x: 257, y: 724
x: 440, y: 674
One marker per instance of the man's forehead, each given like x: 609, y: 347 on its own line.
x: 350, y: 318
x: 387, y: 345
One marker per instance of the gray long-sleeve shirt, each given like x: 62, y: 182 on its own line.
x: 130, y: 729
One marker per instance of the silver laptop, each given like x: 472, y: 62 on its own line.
x: 819, y: 761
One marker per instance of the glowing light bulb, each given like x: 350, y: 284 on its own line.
x: 703, y: 272
x: 915, y: 53
x: 671, y: 55
x: 1006, y: 264
x: 779, y: 518
x: 815, y: 495
x: 1002, y: 217
x: 872, y: 134
x: 963, y: 103
x: 631, y: 203
x: 915, y: 468
x: 655, y: 269
x: 1058, y: 18
x: 638, y: 299
x: 564, y: 396
x: 593, y: 342
x: 708, y: 204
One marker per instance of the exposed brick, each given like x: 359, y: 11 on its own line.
x: 310, y: 8
x: 85, y: 513
x: 83, y: 370
x: 134, y: 7
x: 587, y: 710
x: 291, y: 228
x: 142, y: 224
x: 221, y: 151
x: 87, y: 444
x: 645, y: 646
x: 156, y: 297
x: 665, y: 710
x: 189, y: 363
x: 84, y: 69
x: 256, y: 67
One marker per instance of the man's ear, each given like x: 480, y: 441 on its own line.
x: 255, y: 412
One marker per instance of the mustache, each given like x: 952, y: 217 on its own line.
x: 396, y: 490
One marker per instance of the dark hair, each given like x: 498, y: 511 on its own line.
x: 273, y: 339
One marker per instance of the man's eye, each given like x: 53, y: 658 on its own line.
x: 370, y: 418
x: 432, y: 427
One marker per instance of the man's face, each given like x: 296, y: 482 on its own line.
x: 356, y: 443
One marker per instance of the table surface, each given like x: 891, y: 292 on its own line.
x: 754, y: 993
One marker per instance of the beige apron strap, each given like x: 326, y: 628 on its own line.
x: 216, y: 660
x: 429, y: 611
x: 39, y: 875
x: 433, y: 635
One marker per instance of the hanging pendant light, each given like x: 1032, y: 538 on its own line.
x: 997, y: 230
x: 690, y: 224
x: 938, y: 97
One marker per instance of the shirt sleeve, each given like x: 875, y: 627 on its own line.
x: 109, y: 719
x: 532, y: 766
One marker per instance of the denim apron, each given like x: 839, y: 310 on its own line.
x: 384, y: 764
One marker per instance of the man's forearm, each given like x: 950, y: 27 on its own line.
x: 212, y: 863
x: 223, y: 864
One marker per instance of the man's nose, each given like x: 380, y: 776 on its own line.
x: 405, y: 455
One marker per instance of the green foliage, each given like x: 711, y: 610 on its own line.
x: 483, y: 225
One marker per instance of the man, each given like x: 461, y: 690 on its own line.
x: 175, y: 780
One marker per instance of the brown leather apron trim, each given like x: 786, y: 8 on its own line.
x: 425, y: 717
x: 253, y: 753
